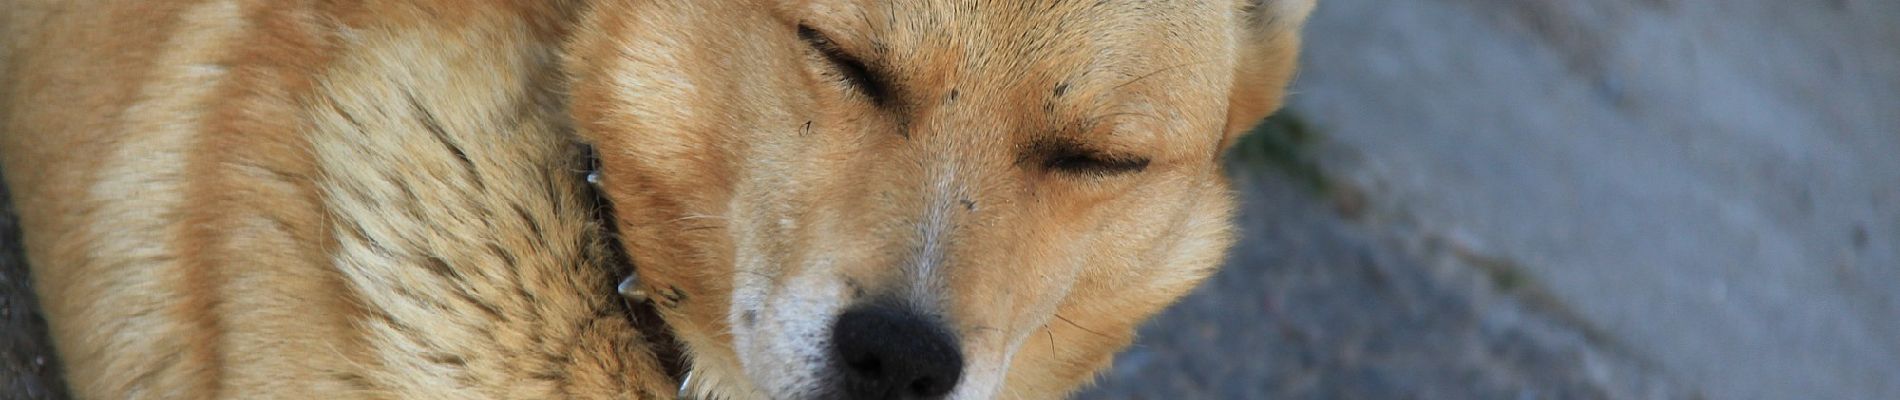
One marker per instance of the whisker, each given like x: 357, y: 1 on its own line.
x: 1099, y: 119
x: 1052, y: 342
x: 698, y: 217
x: 1158, y: 72
x: 1079, y: 326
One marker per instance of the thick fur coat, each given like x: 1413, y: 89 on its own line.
x: 334, y: 199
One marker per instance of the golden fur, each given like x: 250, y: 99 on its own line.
x: 333, y: 199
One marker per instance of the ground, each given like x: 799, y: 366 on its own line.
x: 1711, y: 185
x: 1706, y: 194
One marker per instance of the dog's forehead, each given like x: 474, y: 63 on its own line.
x: 1146, y: 69
x: 1039, y: 35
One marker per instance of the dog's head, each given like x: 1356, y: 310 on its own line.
x: 921, y: 199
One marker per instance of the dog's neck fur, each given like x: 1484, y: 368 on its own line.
x: 437, y: 195
x: 641, y: 307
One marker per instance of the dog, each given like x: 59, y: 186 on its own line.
x: 714, y: 199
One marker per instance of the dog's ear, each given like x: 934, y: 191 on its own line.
x: 1269, y: 49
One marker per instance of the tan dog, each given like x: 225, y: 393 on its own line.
x: 334, y: 199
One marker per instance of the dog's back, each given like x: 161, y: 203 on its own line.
x: 98, y: 184
x: 225, y: 200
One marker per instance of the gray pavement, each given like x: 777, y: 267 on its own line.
x: 1713, y: 184
x: 1707, y: 191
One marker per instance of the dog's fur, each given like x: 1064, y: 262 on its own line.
x: 335, y: 199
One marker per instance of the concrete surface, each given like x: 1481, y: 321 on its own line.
x: 1714, y: 184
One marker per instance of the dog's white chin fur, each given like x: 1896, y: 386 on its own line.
x: 981, y: 378
x: 785, y: 350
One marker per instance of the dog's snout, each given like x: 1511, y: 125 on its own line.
x: 889, y: 353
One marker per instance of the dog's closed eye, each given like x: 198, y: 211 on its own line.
x: 851, y: 70
x: 1073, y: 158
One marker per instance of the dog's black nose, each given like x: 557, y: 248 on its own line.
x: 888, y: 353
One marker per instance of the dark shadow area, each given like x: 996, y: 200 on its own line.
x: 28, y: 369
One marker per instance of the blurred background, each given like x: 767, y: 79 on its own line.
x: 1550, y: 199
x: 1527, y: 199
